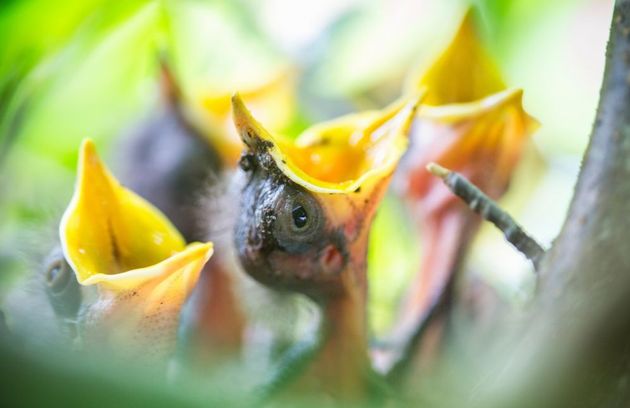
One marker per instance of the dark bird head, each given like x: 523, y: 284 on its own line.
x: 307, y: 204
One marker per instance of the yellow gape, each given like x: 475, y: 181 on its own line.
x: 114, y: 239
x: 469, y: 121
x: 339, y: 156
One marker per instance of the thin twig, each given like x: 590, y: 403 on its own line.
x: 489, y: 210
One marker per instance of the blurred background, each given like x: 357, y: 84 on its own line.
x: 89, y: 68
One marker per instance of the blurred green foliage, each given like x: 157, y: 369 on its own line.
x: 87, y: 68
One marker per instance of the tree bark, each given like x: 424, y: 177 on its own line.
x: 576, y: 349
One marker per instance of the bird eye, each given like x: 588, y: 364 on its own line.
x: 62, y: 288
x: 300, y: 217
x: 58, y: 275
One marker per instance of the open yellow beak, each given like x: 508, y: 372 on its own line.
x: 113, y: 237
x: 115, y: 240
x: 470, y: 121
x: 273, y: 100
x: 463, y: 72
x: 340, y: 156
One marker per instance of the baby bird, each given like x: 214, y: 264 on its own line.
x: 305, y: 215
x: 181, y: 160
x: 115, y: 241
x: 469, y: 122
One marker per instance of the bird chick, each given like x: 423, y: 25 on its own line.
x: 305, y: 214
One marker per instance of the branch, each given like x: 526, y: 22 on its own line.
x: 574, y: 351
x: 489, y: 210
x: 586, y: 275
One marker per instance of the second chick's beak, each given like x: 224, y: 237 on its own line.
x: 139, y: 263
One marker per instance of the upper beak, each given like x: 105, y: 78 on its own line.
x: 463, y: 72
x: 344, y: 155
x: 470, y: 121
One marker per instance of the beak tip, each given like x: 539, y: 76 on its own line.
x: 87, y: 152
x: 237, y: 101
x: 87, y: 145
x: 209, y: 249
x: 247, y: 126
x: 239, y: 110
